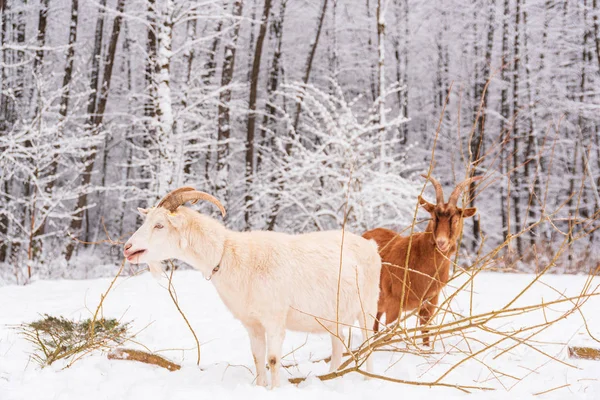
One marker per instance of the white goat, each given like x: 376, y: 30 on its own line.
x: 269, y: 281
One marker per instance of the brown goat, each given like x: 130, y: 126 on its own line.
x: 419, y: 286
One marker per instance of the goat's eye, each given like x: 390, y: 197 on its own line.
x: 158, y: 226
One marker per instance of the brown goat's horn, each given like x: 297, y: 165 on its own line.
x: 182, y: 195
x: 439, y: 192
x: 460, y: 188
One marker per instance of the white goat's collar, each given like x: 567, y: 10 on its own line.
x: 217, y: 268
x: 214, y: 271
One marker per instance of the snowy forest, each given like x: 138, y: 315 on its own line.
x: 297, y: 115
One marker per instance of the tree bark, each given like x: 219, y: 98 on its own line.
x: 309, y: 64
x: 596, y: 31
x: 224, y: 116
x: 189, y: 57
x: 504, y: 113
x: 401, y: 54
x: 252, y: 109
x: 381, y: 78
x: 516, y: 192
x: 481, y: 96
x: 288, y: 146
x: 95, y: 114
x: 272, y: 84
x: 164, y: 110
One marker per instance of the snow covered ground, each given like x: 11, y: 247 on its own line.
x: 227, y: 367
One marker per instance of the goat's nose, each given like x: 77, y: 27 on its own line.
x: 126, y: 249
x: 442, y: 244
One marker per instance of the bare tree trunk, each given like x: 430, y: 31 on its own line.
x: 252, y: 109
x: 150, y: 73
x: 95, y: 114
x: 210, y: 65
x: 288, y: 146
x: 596, y: 31
x: 531, y: 174
x: 516, y: 156
x: 129, y: 168
x: 401, y: 53
x: 504, y: 112
x: 251, y: 41
x: 3, y: 126
x: 309, y: 64
x: 381, y: 77
x: 208, y: 73
x: 164, y: 110
x: 224, y: 116
x: 596, y: 24
x: 67, y: 78
x: 189, y: 56
x: 373, y: 68
x: 39, y: 53
x: 481, y: 96
x: 3, y: 77
x: 272, y: 85
x: 334, y: 59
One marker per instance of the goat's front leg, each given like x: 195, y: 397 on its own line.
x: 425, y: 313
x: 275, y: 336
x: 258, y: 345
x: 337, y: 351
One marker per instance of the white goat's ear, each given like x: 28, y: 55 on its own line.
x: 178, y: 221
x: 174, y: 218
x: 143, y: 211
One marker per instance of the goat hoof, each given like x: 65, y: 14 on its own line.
x: 261, y: 381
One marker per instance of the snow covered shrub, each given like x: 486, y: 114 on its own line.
x: 302, y: 179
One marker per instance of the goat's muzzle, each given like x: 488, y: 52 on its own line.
x: 130, y: 253
x: 443, y: 245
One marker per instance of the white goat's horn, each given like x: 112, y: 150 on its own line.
x: 184, y: 194
x: 174, y: 192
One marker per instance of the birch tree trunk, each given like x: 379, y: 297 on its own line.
x: 164, y: 110
x: 401, y: 55
x: 3, y: 125
x: 381, y: 9
x: 190, y: 54
x: 224, y: 116
x: 596, y: 24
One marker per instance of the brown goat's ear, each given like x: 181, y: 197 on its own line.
x: 143, y: 211
x: 426, y: 205
x: 469, y: 212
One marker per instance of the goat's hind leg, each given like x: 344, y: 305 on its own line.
x: 366, y: 321
x: 275, y: 336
